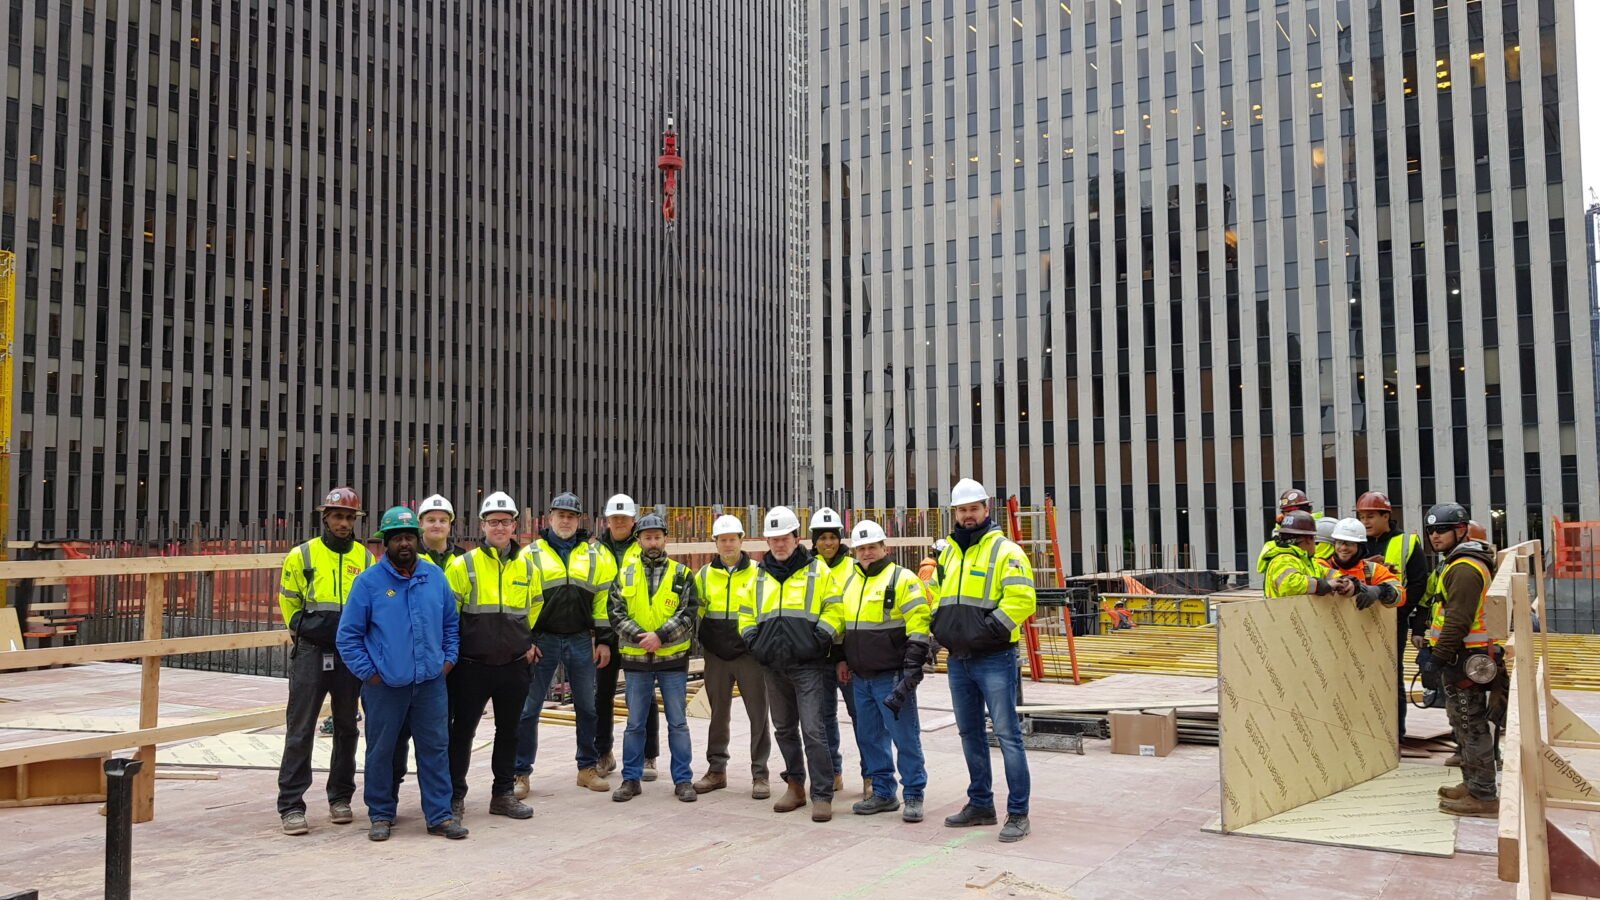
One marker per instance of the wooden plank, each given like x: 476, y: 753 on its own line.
x: 85, y: 653
x: 144, y: 783
x: 1306, y: 703
x: 1510, y: 819
x: 10, y: 632
x: 1533, y: 850
x: 143, y: 565
x: 262, y: 717
x: 187, y: 775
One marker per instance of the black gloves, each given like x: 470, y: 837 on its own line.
x: 1366, y: 595
x: 916, y: 655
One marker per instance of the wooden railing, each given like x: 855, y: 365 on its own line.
x: 149, y: 652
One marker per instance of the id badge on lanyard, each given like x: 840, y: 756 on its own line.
x: 327, y: 662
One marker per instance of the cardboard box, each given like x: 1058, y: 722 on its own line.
x: 1148, y: 733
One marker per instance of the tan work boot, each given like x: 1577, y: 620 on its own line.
x: 838, y: 784
x: 521, y: 790
x: 1453, y: 761
x: 589, y: 778
x: 866, y: 787
x: 792, y: 799
x: 650, y: 769
x: 607, y: 765
x: 760, y: 790
x: 822, y: 810
x: 1471, y: 807
x: 1454, y: 793
x: 713, y: 781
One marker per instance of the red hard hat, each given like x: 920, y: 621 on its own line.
x: 1298, y: 521
x: 1477, y: 532
x: 342, y: 498
x: 1293, y: 498
x: 1374, y: 501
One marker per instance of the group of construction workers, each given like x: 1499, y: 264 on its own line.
x: 427, y: 635
x: 1440, y: 613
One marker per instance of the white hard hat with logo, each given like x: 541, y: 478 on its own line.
x: 436, y: 503
x: 498, y: 502
x: 622, y: 505
x: 779, y: 521
x: 1349, y: 530
x: 968, y: 491
x: 727, y: 525
x: 866, y: 532
x: 826, y: 518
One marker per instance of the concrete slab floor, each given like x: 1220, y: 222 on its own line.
x: 1104, y: 826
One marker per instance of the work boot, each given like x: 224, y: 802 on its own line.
x: 1016, y: 829
x: 629, y: 790
x: 838, y: 784
x: 1471, y: 807
x: 1454, y: 793
x: 969, y: 816
x: 912, y: 811
x: 339, y: 812
x: 792, y: 799
x: 1453, y: 761
x: 379, y: 831
x: 760, y: 790
x: 589, y: 778
x: 607, y: 764
x: 650, y: 770
x: 295, y: 823
x: 449, y: 828
x: 521, y: 790
x: 822, y: 810
x: 510, y: 807
x: 458, y: 808
x: 711, y: 781
x: 685, y: 792
x: 874, y: 805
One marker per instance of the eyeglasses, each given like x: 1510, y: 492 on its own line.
x: 499, y: 523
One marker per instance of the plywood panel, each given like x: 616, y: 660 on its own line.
x: 1397, y: 811
x: 262, y: 751
x: 1307, y: 702
x: 10, y: 631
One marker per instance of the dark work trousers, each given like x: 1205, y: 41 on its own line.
x: 1402, y: 643
x: 472, y: 687
x: 798, y: 699
x: 309, y: 685
x: 605, y: 723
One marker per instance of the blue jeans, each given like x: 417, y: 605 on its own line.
x: 831, y: 711
x: 641, y: 690
x: 877, y: 728
x: 990, y: 681
x: 576, y: 652
x: 425, y: 707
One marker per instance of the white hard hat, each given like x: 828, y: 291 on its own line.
x: 779, y: 521
x: 1325, y: 527
x: 436, y: 503
x: 622, y: 505
x: 727, y: 525
x: 1349, y: 530
x: 498, y: 502
x: 825, y: 518
x: 866, y: 532
x: 968, y: 491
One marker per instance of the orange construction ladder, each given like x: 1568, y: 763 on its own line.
x: 1042, y: 547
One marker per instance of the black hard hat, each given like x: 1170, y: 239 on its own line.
x: 1447, y: 514
x: 652, y: 522
x: 567, y: 501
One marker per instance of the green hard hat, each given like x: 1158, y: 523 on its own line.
x: 398, y: 518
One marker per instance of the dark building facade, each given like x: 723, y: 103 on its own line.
x: 269, y: 247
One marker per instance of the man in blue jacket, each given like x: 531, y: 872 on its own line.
x: 400, y: 634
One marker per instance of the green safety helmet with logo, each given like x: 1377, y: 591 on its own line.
x: 397, y: 519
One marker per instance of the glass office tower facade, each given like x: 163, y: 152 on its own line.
x: 269, y: 247
x: 1160, y: 259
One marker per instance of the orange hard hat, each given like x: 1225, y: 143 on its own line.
x: 342, y: 498
x: 1374, y: 501
x: 1477, y: 532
